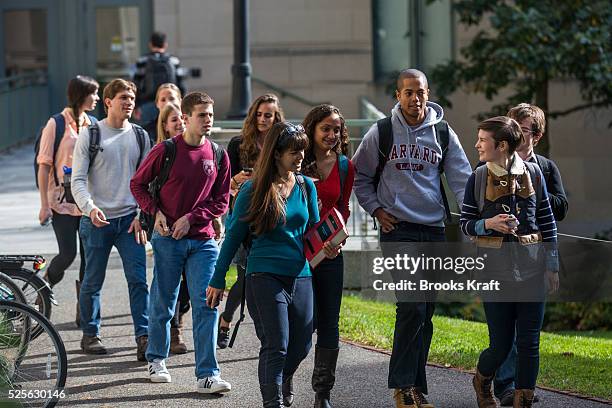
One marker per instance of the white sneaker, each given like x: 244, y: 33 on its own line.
x: 158, y: 373
x: 213, y: 385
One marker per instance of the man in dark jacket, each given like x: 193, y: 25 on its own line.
x: 532, y: 121
x: 153, y: 69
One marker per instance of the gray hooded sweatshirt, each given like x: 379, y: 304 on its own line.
x: 409, y: 187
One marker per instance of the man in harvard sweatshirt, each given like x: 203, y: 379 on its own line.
x: 195, y: 193
x: 407, y: 202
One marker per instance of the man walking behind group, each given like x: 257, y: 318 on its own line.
x: 152, y: 70
x: 106, y: 156
x: 194, y: 194
x: 402, y: 190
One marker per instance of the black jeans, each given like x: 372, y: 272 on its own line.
x: 66, y: 228
x: 234, y: 297
x: 281, y: 308
x: 327, y: 279
x: 504, y: 321
x: 413, y: 325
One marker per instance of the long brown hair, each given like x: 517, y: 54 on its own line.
x: 163, y: 119
x: 248, y: 147
x: 267, y: 206
x: 79, y: 88
x: 312, y: 119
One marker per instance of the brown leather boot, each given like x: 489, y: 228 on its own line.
x: 410, y: 397
x: 141, y: 347
x: 484, y: 394
x: 177, y: 343
x: 523, y: 398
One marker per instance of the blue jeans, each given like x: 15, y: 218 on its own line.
x: 413, y: 326
x: 504, y: 321
x: 504, y: 376
x: 197, y: 258
x: 327, y: 280
x: 281, y: 308
x: 98, y: 243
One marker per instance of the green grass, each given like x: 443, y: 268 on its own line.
x: 570, y: 361
x: 230, y: 278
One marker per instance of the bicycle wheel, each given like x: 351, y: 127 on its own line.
x: 9, y: 290
x: 37, y: 293
x: 33, y: 377
x: 21, y: 335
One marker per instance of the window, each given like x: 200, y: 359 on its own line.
x: 25, y: 41
x: 410, y: 33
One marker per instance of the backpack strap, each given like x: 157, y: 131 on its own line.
x: 299, y: 179
x: 385, y: 142
x: 92, y: 119
x: 537, y: 181
x: 60, y: 127
x: 442, y: 137
x: 142, y: 139
x: 217, y: 154
x: 94, y: 143
x: 480, y: 185
x: 167, y: 162
x: 343, y: 165
x: 242, y: 316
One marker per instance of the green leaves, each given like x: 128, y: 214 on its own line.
x: 527, y: 43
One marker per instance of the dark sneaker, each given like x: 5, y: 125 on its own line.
x: 223, y: 337
x: 141, y: 347
x: 92, y: 345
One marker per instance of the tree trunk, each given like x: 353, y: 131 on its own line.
x: 541, y: 100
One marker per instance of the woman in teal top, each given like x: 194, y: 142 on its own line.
x: 276, y: 207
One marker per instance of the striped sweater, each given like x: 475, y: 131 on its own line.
x: 533, y: 217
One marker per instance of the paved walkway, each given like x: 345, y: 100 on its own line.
x: 118, y: 380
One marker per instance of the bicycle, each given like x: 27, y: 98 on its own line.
x: 37, y: 291
x: 9, y: 290
x: 33, y: 371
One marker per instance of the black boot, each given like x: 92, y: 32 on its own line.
x: 271, y: 395
x: 288, y: 391
x: 324, y: 375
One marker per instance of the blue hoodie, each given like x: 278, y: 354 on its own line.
x: 409, y: 187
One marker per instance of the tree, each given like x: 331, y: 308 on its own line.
x: 529, y: 43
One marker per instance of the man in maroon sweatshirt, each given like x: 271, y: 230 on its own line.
x: 195, y: 193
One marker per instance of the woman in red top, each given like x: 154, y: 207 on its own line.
x: 326, y: 162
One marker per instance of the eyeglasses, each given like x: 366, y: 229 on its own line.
x: 527, y: 131
x: 291, y: 129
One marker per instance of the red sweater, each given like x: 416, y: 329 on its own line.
x: 193, y: 187
x: 328, y: 191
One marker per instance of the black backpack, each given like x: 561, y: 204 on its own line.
x: 155, y: 186
x: 385, y: 143
x: 94, y: 142
x: 60, y: 127
x: 159, y: 70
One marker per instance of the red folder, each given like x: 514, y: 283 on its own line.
x: 331, y: 228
